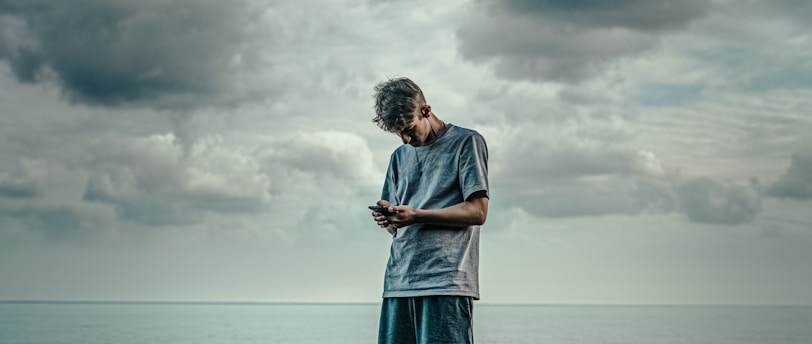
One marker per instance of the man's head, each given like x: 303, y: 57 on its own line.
x: 401, y: 109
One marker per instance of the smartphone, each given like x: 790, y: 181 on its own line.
x: 381, y: 209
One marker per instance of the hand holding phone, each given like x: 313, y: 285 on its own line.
x: 381, y: 209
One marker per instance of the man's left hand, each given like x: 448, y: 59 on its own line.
x: 405, y: 216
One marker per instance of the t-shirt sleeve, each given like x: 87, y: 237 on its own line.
x: 474, y: 166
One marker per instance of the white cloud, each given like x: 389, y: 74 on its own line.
x: 27, y: 180
x: 152, y: 180
x: 323, y: 181
x: 339, y: 154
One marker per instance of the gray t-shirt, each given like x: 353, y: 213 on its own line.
x: 427, y: 259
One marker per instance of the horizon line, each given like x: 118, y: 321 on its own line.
x: 327, y: 303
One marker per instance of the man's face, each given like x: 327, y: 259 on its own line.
x: 415, y: 132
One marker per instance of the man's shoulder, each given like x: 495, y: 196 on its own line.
x: 463, y: 132
x: 401, y: 149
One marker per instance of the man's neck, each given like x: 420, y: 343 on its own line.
x: 437, y: 127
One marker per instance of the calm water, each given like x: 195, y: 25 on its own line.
x: 37, y: 323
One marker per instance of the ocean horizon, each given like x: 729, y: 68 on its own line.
x: 210, y: 322
x: 294, y: 302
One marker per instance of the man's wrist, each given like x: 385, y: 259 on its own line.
x: 419, y: 216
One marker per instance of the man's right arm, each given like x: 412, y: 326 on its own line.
x: 386, y: 193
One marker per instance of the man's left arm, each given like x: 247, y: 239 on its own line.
x: 472, y: 212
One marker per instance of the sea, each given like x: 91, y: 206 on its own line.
x: 241, y: 323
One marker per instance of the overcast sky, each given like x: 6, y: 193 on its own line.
x: 641, y: 152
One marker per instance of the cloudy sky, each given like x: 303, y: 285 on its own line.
x: 642, y: 152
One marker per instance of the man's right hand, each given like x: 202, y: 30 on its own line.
x: 382, y: 220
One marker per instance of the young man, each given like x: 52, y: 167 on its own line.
x: 436, y: 195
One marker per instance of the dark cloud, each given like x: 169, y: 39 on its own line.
x: 707, y: 201
x: 162, y: 54
x: 630, y: 195
x: 575, y: 149
x: 579, y: 169
x: 18, y: 188
x: 567, y: 41
x: 764, y: 56
x: 643, y: 15
x: 798, y: 10
x: 702, y: 200
x: 582, y: 173
x: 574, y: 162
x: 797, y: 180
x: 579, y: 96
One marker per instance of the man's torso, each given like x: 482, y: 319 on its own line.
x: 427, y: 259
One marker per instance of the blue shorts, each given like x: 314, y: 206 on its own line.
x: 427, y: 319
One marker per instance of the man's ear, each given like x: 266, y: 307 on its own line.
x: 426, y: 110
